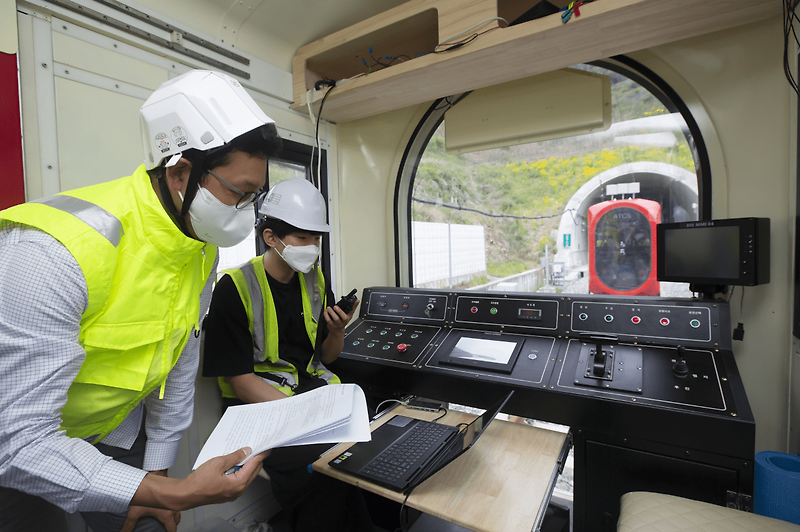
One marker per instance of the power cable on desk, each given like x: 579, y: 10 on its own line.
x: 398, y: 401
x: 378, y: 412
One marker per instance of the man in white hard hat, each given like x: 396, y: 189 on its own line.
x: 270, y: 332
x: 102, y: 291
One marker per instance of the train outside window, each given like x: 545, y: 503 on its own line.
x: 573, y: 214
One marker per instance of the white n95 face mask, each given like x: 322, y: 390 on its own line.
x: 216, y: 223
x: 299, y: 258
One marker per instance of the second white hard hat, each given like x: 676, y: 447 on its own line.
x: 200, y: 109
x: 297, y: 202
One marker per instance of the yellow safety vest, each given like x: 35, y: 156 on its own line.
x: 144, y: 278
x: 253, y: 287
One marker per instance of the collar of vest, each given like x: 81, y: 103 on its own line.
x: 159, y: 228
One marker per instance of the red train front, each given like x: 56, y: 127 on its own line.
x: 622, y: 247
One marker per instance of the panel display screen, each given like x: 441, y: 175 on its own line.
x: 702, y: 252
x: 483, y: 350
x: 476, y: 350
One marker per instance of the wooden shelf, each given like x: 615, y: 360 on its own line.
x: 605, y: 28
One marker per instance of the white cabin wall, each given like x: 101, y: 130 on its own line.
x: 370, y: 153
x: 229, y: 23
x: 737, y: 77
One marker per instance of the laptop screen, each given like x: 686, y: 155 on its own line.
x: 479, y: 424
x: 470, y: 435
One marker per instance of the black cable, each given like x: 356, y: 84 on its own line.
x: 402, y: 506
x: 448, y: 102
x: 789, y: 19
x: 316, y: 131
x: 440, y: 417
x: 519, y: 217
x: 459, y: 44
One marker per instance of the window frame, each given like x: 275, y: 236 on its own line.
x: 430, y: 121
x: 303, y: 155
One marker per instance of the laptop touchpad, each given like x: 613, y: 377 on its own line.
x: 399, y: 421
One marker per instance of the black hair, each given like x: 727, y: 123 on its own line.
x: 280, y: 228
x: 261, y: 142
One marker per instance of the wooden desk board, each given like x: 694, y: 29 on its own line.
x: 497, y: 486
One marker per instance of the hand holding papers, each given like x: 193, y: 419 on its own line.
x: 330, y: 414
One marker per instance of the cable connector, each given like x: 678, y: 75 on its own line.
x: 324, y: 83
x: 738, y: 332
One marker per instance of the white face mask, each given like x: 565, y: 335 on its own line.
x: 216, y: 223
x: 299, y: 258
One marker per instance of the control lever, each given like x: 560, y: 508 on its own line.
x: 679, y: 368
x: 599, y: 366
x: 602, y: 358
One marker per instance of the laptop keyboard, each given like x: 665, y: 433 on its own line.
x: 401, y: 456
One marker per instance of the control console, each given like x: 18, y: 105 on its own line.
x: 457, y: 345
x: 649, y: 386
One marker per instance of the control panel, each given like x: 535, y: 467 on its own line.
x: 648, y: 386
x: 398, y: 342
x: 661, y: 321
x: 400, y: 305
x: 652, y: 351
x: 507, y: 311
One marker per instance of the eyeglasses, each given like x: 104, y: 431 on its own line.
x: 247, y: 198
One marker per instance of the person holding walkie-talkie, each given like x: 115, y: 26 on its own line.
x: 271, y: 329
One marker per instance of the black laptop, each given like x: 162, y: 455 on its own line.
x: 405, y: 451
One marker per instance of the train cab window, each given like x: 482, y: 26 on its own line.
x: 557, y: 207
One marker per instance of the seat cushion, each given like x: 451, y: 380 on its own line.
x: 643, y: 511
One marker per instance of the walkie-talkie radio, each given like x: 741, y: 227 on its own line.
x: 346, y: 302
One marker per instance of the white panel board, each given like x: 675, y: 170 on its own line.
x: 77, y: 53
x: 553, y: 105
x: 98, y: 134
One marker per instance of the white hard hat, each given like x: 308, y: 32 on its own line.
x: 200, y: 109
x: 297, y: 202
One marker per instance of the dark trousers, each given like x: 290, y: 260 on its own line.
x: 20, y: 512
x: 310, y: 501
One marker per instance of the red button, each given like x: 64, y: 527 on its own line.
x: 636, y: 320
x: 664, y: 321
x: 474, y: 309
x: 402, y: 347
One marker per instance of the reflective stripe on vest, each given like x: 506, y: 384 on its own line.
x: 256, y: 310
x: 89, y: 213
x: 140, y: 312
x: 281, y: 374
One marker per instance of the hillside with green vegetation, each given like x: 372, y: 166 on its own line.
x: 521, y: 191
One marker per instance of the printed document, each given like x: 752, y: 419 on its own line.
x: 333, y: 413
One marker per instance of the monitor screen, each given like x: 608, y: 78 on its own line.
x: 714, y: 252
x: 489, y: 351
x: 711, y: 252
x: 495, y: 351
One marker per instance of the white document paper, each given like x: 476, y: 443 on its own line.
x: 329, y: 414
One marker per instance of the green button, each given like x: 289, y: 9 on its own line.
x: 493, y: 310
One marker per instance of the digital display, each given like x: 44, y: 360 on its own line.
x: 479, y: 349
x: 710, y: 253
x: 704, y: 252
x: 530, y: 314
